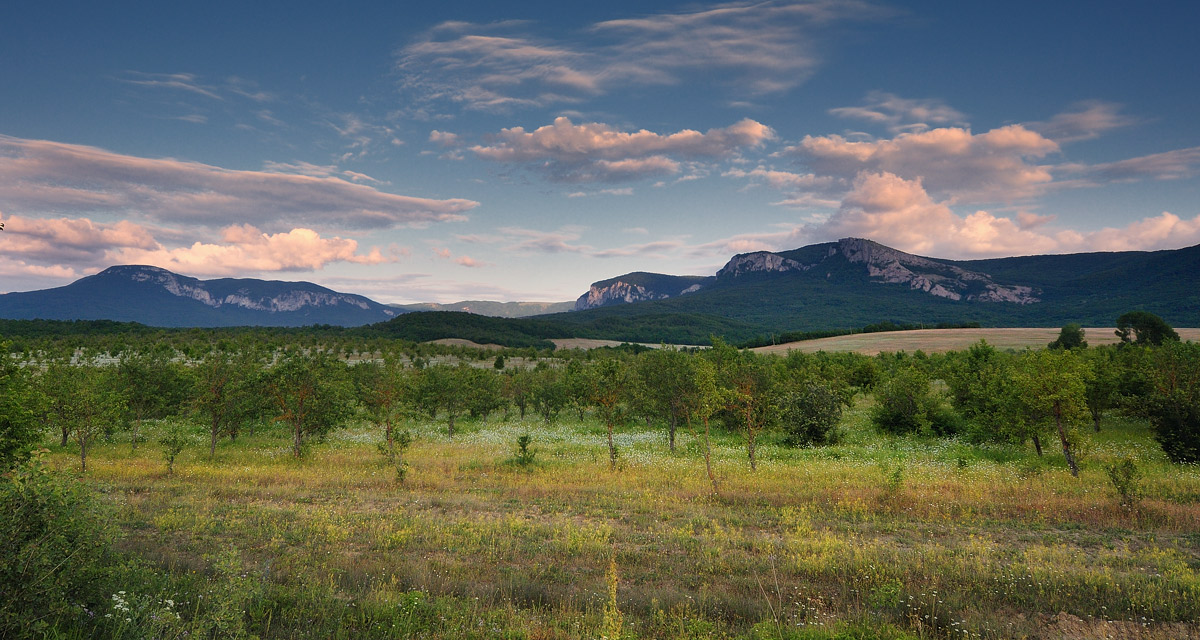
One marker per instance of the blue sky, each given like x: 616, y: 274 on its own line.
x: 477, y: 150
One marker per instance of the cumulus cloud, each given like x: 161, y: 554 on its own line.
x: 998, y: 165
x: 753, y: 48
x: 39, y: 177
x: 596, y: 152
x: 902, y: 114
x: 80, y: 245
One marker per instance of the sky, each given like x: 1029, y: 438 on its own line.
x: 465, y: 150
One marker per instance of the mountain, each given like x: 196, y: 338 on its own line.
x: 490, y: 308
x: 157, y: 297
x: 855, y: 282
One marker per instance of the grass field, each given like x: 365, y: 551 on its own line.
x: 876, y: 537
x: 943, y: 340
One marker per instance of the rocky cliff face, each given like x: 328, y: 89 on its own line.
x: 638, y: 287
x: 935, y: 278
x: 759, y: 262
x: 207, y: 292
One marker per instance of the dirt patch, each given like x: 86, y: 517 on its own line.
x: 460, y: 342
x: 1065, y: 626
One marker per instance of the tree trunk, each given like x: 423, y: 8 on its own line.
x: 296, y: 442
x: 66, y: 434
x: 708, y: 460
x: 450, y: 432
x: 212, y: 439
x: 1066, y: 444
x: 1037, y: 444
x: 1096, y: 420
x: 671, y: 426
x: 612, y: 449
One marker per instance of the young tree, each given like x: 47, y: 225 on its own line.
x: 751, y: 385
x: 609, y: 385
x: 703, y: 398
x: 445, y: 389
x: 85, y: 402
x: 384, y: 390
x: 663, y: 378
x: 312, y: 393
x: 810, y: 413
x: 518, y: 389
x: 485, y: 392
x: 227, y: 393
x: 155, y: 386
x: 549, y: 395
x: 1173, y: 401
x: 1052, y: 389
x: 1103, y: 385
x: 1143, y: 327
x: 980, y: 384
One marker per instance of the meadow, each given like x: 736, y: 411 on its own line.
x: 874, y: 537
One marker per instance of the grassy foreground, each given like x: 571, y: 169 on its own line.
x: 872, y: 538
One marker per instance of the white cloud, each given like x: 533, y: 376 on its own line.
x: 594, y: 152
x: 40, y: 177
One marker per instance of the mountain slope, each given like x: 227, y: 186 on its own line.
x: 855, y: 282
x: 157, y: 297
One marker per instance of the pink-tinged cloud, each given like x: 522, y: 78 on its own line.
x: 81, y: 245
x: 596, y: 152
x: 40, y: 178
x: 1087, y: 121
x: 996, y: 166
x: 465, y: 261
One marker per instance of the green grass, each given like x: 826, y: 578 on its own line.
x: 961, y: 542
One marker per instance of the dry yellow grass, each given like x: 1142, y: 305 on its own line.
x: 943, y: 340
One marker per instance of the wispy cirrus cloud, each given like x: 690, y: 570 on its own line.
x: 39, y: 178
x: 900, y: 115
x: 597, y: 152
x: 1087, y: 120
x: 745, y: 48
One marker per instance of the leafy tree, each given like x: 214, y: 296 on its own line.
x: 549, y: 396
x: 445, y: 389
x: 704, y: 397
x: 312, y: 393
x: 1173, y: 401
x: 155, y: 386
x: 609, y: 386
x: 980, y: 385
x: 1143, y: 327
x: 85, y: 402
x: 486, y: 392
x: 751, y: 385
x: 20, y: 403
x: 663, y: 380
x: 1104, y: 384
x: 1051, y: 388
x: 1070, y: 337
x: 227, y: 393
x: 384, y: 391
x: 905, y: 404
x: 810, y: 414
x: 518, y: 388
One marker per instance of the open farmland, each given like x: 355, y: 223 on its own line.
x: 944, y: 340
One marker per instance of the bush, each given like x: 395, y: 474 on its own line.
x: 55, y: 548
x: 905, y: 405
x: 810, y: 415
x: 1172, y: 402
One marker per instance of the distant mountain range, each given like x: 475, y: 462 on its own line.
x: 830, y: 286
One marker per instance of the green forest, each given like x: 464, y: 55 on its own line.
x: 324, y: 483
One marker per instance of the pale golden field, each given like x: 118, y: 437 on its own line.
x: 943, y: 340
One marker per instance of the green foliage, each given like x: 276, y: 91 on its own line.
x: 1172, y: 401
x: 54, y: 550
x: 312, y: 394
x: 20, y: 402
x: 85, y: 402
x: 174, y: 440
x: 905, y: 404
x: 1143, y: 327
x: 1050, y: 388
x: 1071, y: 337
x: 228, y: 392
x: 1124, y: 476
x: 980, y: 384
x: 810, y: 415
x: 525, y: 455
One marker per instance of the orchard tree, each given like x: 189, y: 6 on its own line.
x: 980, y: 384
x: 1143, y: 327
x: 663, y: 380
x: 549, y: 396
x: 86, y: 402
x: 227, y: 392
x: 1173, y: 401
x: 446, y: 390
x: 751, y: 389
x: 518, y: 389
x: 1052, y: 390
x: 155, y: 386
x: 609, y: 385
x: 312, y: 393
x: 1104, y: 384
x: 384, y: 391
x: 703, y: 397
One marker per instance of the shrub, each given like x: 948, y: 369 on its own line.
x: 1172, y: 402
x: 1124, y: 476
x: 905, y: 405
x: 55, y: 547
x: 810, y: 415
